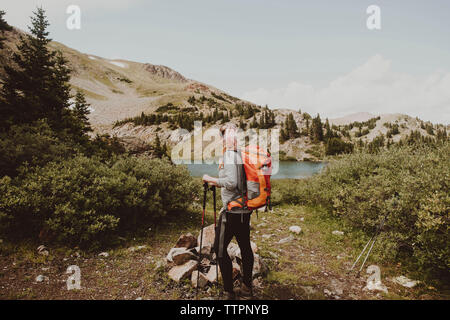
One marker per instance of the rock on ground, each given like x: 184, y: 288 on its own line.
x: 181, y: 257
x: 206, y: 250
x: 41, y: 278
x: 295, y: 229
x: 337, y: 233
x: 234, y: 251
x: 209, y: 233
x: 259, y: 267
x: 174, y: 251
x: 178, y: 273
x: 254, y: 247
x: 202, y: 279
x: 186, y: 241
x: 236, y: 270
x: 285, y: 240
x: 212, y: 274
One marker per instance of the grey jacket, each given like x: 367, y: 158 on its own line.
x: 231, y: 177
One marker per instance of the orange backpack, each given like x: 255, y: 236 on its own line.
x: 257, y: 165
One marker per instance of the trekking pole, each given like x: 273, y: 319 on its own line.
x: 373, y: 240
x: 215, y: 212
x: 205, y: 190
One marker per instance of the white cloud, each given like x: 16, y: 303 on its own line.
x: 373, y: 87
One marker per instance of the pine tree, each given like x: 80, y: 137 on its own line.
x: 328, y: 131
x: 291, y: 127
x: 157, y: 148
x: 317, y: 129
x: 81, y: 112
x: 262, y: 120
x: 39, y: 86
x: 4, y: 26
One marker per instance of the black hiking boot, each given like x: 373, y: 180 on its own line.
x: 230, y: 295
x: 244, y: 292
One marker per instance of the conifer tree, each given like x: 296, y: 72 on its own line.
x: 328, y: 132
x: 317, y: 129
x: 38, y: 86
x: 81, y: 112
x: 4, y: 26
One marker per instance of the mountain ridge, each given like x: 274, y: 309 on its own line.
x: 119, y: 89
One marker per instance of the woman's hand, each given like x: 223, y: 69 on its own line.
x: 210, y: 180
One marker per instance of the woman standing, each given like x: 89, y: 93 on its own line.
x: 234, y: 219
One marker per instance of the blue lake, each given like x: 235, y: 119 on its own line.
x: 286, y: 169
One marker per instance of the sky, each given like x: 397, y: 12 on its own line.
x: 317, y: 56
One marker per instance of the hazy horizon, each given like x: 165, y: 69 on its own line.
x: 319, y: 57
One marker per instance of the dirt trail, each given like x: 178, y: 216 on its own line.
x: 310, y: 265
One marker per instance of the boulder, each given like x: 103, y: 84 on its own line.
x: 254, y: 247
x: 202, y: 280
x: 285, y: 240
x: 234, y: 251
x: 236, y: 270
x: 181, y: 257
x: 178, y: 273
x: 104, y: 254
x: 337, y: 233
x: 205, y: 262
x: 259, y: 267
x: 206, y: 250
x: 174, y: 251
x: 212, y: 274
x: 257, y: 283
x: 186, y: 241
x: 209, y: 233
x: 295, y: 229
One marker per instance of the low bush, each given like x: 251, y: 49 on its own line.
x: 86, y: 202
x: 359, y: 188
x: 336, y: 146
x: 34, y: 144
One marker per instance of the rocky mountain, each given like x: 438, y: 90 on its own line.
x: 120, y: 89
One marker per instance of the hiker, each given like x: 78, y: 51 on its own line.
x: 234, y: 222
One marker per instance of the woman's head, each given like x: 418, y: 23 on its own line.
x: 229, y: 133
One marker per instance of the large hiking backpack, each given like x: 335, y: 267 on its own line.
x: 257, y: 165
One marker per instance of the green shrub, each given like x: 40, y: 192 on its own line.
x: 336, y: 146
x: 83, y: 201
x: 360, y: 188
x: 34, y: 144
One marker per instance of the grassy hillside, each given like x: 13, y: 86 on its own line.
x: 121, y: 90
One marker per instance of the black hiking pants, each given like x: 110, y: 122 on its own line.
x: 230, y: 225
